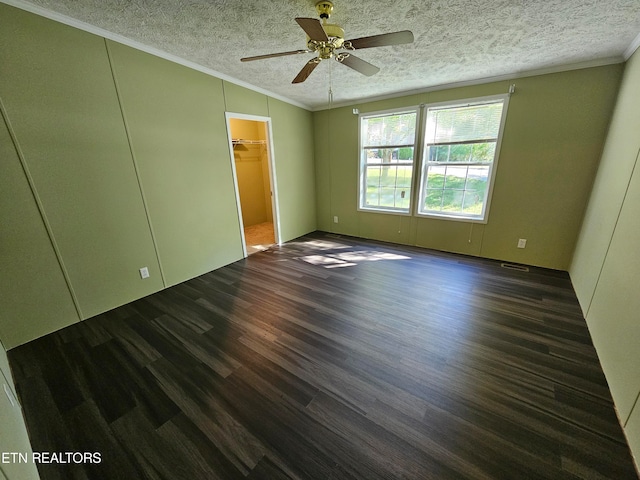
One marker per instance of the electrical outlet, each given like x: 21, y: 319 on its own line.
x: 522, y: 242
x: 144, y: 272
x: 335, y: 219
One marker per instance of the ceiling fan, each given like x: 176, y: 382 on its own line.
x: 326, y: 39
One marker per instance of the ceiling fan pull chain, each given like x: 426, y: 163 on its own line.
x: 330, y: 84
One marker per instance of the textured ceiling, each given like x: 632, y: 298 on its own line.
x: 455, y: 40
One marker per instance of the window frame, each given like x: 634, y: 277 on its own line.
x: 362, y: 164
x: 493, y: 166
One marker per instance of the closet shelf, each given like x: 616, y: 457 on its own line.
x: 240, y: 141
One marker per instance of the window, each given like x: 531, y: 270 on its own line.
x: 461, y: 143
x: 387, y: 148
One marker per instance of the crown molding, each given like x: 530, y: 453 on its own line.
x: 481, y: 81
x: 24, y: 5
x: 633, y: 46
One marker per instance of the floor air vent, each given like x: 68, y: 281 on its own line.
x: 513, y: 266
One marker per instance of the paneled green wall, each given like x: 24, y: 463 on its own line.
x: 604, y: 269
x: 295, y: 176
x: 242, y: 100
x: 34, y: 293
x: 61, y: 101
x: 128, y: 159
x: 555, y: 129
x: 13, y: 434
x: 179, y: 142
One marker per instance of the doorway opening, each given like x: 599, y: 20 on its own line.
x: 254, y: 176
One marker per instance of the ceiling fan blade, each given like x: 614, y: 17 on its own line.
x: 313, y: 28
x: 383, y: 40
x: 271, y: 55
x: 306, y: 71
x: 360, y: 65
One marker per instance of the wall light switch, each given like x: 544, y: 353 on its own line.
x: 144, y: 272
x: 522, y: 242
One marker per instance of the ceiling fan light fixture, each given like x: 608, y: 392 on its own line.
x: 326, y: 39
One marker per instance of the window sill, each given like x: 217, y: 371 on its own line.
x: 404, y: 213
x: 455, y: 218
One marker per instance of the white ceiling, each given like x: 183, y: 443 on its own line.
x: 455, y: 40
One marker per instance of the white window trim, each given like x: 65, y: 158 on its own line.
x: 494, y: 165
x: 415, y: 165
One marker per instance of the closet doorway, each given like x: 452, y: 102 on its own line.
x: 254, y: 175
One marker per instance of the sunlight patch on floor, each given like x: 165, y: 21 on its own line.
x: 350, y: 259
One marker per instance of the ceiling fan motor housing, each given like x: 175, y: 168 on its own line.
x: 334, y: 32
x: 324, y: 9
x: 327, y: 40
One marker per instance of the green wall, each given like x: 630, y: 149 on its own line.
x: 32, y: 283
x: 179, y: 143
x: 295, y: 175
x: 604, y: 269
x: 13, y: 434
x: 114, y: 160
x: 61, y: 103
x: 553, y: 137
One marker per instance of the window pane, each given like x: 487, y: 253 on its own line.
x: 373, y: 176
x: 439, y: 154
x: 396, y: 129
x: 455, y: 177
x: 477, y: 182
x: 472, y: 203
x: 452, y: 200
x: 388, y: 186
x: 389, y: 155
x: 404, y: 176
x: 433, y: 199
x: 388, y: 176
x: 463, y: 123
x: 456, y: 189
x: 435, y: 177
x: 373, y: 197
x: 462, y: 153
x: 387, y: 197
x: 483, y: 152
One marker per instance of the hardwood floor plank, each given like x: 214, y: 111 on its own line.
x: 46, y: 428
x: 385, y: 453
x: 197, y: 395
x: 159, y: 456
x: 335, y: 358
x: 90, y: 433
x: 200, y: 346
x: 218, y: 462
x: 98, y: 375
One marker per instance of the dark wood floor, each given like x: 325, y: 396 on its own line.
x: 331, y: 358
